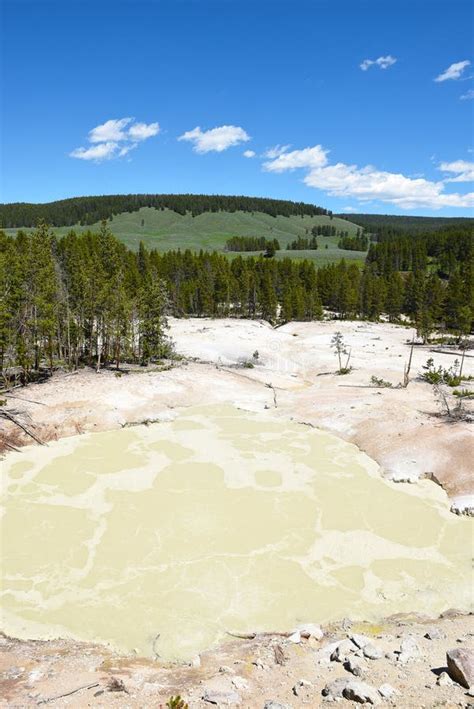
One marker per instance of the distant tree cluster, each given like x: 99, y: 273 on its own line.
x: 389, y: 223
x: 251, y: 243
x: 90, y: 210
x: 302, y: 243
x: 87, y: 299
x: 354, y: 243
x: 325, y: 230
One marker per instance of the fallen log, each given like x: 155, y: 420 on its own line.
x: 11, y: 418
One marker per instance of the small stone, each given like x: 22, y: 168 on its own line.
x: 372, y: 652
x: 270, y: 704
x: 361, y: 692
x: 470, y: 691
x: 386, y: 691
x: 260, y: 665
x: 225, y: 670
x: 295, y: 637
x: 240, y: 683
x: 434, y: 634
x: 461, y: 666
x: 221, y: 698
x: 300, y: 685
x: 444, y: 680
x: 196, y: 661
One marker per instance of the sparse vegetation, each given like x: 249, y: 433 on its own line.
x: 440, y: 375
x: 177, y: 703
x: 340, y: 349
x: 382, y: 383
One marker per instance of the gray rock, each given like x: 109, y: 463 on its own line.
x: 360, y: 640
x: 434, y: 634
x: 221, y: 698
x: 323, y: 654
x: 372, y: 652
x: 461, y: 666
x: 361, y: 692
x: 335, y: 688
x: 343, y: 650
x: 444, y: 680
x: 240, y: 683
x: 301, y: 684
x: 386, y: 691
x: 409, y: 650
x: 295, y: 637
x: 352, y: 666
x: 270, y: 704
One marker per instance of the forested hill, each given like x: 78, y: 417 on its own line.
x: 391, y: 223
x: 89, y: 210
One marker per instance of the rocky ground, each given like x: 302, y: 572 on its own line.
x: 402, y: 662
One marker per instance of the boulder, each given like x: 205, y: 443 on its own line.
x: 361, y: 692
x: 409, y: 650
x: 461, y: 666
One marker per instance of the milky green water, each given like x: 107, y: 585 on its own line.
x: 219, y: 520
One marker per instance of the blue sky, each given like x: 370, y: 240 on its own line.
x: 390, y: 135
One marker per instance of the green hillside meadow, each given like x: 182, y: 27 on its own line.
x: 164, y: 230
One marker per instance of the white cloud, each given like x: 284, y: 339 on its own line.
x: 142, y: 131
x: 381, y: 62
x: 99, y: 152
x: 215, y: 139
x: 113, y: 139
x: 308, y: 157
x: 453, y: 71
x: 367, y: 183
x: 276, y: 151
x: 468, y: 96
x: 249, y: 153
x: 109, y: 131
x: 462, y: 169
x: 349, y: 210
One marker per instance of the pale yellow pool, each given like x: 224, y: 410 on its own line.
x: 219, y: 520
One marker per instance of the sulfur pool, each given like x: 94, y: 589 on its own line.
x: 159, y: 539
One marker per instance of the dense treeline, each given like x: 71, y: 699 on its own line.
x: 378, y: 223
x: 326, y: 230
x: 89, y: 210
x: 354, y: 243
x: 301, y: 243
x: 251, y: 243
x: 88, y: 299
